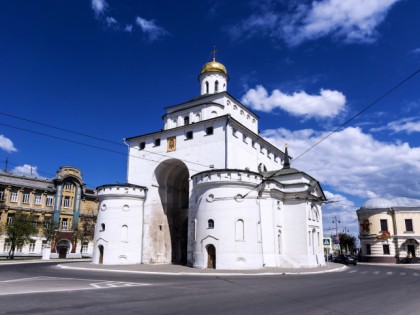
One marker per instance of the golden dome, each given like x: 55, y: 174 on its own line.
x: 213, y: 66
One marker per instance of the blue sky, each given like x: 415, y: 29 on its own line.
x: 107, y: 69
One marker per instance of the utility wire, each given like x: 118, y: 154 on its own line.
x: 380, y: 98
x: 90, y: 136
x: 90, y: 145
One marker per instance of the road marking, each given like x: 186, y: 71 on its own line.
x: 376, y: 272
x: 364, y: 272
x: 116, y: 284
x: 416, y: 274
x: 22, y: 279
x: 351, y: 271
x: 402, y: 273
x: 389, y: 273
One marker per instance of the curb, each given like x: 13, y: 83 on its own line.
x: 280, y: 273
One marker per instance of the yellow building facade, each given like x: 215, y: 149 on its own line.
x: 389, y: 229
x: 64, y: 209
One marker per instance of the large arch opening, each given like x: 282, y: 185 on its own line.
x: 173, y: 179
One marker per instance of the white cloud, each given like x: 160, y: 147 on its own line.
x: 99, y: 6
x: 7, y: 145
x: 128, y: 28
x: 353, y: 21
x: 26, y: 169
x: 111, y: 22
x: 408, y: 125
x: 151, y: 29
x: 341, y: 209
x: 353, y: 162
x: 415, y: 51
x: 348, y: 20
x: 325, y: 105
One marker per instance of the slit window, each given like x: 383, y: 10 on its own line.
x: 210, y: 224
x: 142, y: 145
x: 157, y: 142
x: 209, y: 131
x: 188, y: 135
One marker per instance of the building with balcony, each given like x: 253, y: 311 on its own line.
x: 389, y: 228
x: 62, y: 207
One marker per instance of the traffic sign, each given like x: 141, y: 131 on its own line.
x: 327, y: 241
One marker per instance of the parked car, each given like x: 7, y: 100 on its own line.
x: 345, y: 259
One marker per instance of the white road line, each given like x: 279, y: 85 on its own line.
x: 376, y: 272
x: 352, y: 271
x: 402, y: 273
x: 389, y: 273
x: 416, y: 274
x: 22, y: 279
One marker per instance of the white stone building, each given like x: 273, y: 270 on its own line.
x: 209, y: 192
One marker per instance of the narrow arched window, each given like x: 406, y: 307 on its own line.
x: 240, y: 236
x: 210, y: 224
x: 186, y: 120
x: 124, y: 233
x: 216, y: 86
x: 102, y: 226
x: 207, y: 87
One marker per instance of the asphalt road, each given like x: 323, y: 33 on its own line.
x: 364, y: 289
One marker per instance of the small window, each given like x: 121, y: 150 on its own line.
x: 66, y: 202
x: 142, y: 145
x: 1, y: 194
x: 216, y: 86
x: 68, y: 186
x: 64, y: 224
x: 186, y: 120
x: 386, y: 249
x: 408, y: 225
x: 384, y: 225
x: 13, y: 196
x: 210, y: 224
x: 37, y: 199
x: 102, y: 227
x: 188, y: 135
x: 25, y: 198
x: 50, y: 201
x: 157, y: 142
x: 368, y: 251
x: 209, y: 131
x: 10, y: 218
x: 207, y: 87
x: 32, y: 246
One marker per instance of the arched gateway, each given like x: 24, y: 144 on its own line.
x: 173, y: 188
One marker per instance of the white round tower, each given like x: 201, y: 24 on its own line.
x: 119, y: 226
x: 213, y: 78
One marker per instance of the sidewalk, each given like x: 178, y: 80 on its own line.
x: 170, y: 269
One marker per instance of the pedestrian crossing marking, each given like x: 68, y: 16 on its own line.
x: 351, y: 271
x: 376, y: 272
x: 116, y: 284
x: 402, y: 273
x: 389, y: 273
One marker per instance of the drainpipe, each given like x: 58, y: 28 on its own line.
x: 260, y: 193
x: 142, y: 228
x: 394, y: 225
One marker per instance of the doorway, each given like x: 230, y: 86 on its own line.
x: 101, y: 254
x: 211, y: 256
x: 62, y: 248
x: 412, y: 250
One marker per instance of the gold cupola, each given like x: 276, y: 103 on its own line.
x: 213, y: 66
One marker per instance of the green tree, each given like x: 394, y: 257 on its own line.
x: 85, y: 231
x: 50, y: 229
x: 20, y: 231
x: 347, y: 242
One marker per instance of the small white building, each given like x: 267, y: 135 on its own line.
x: 209, y: 192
